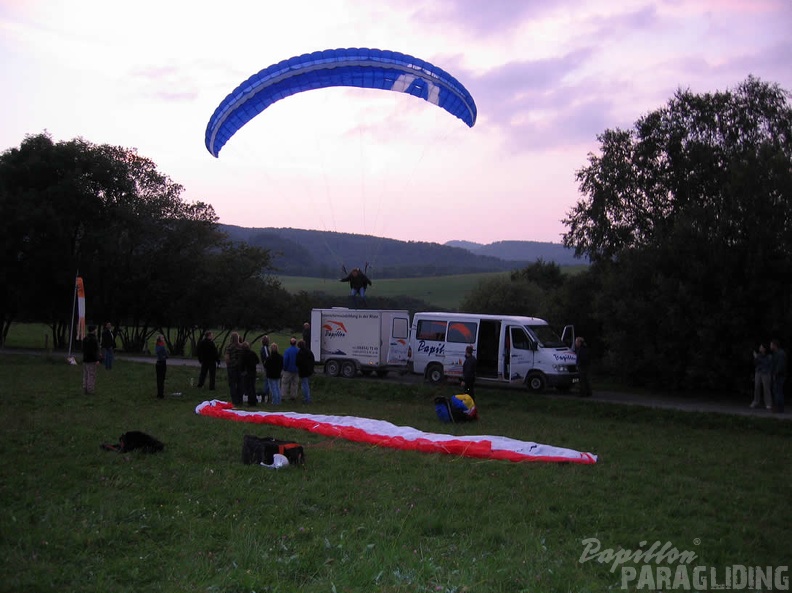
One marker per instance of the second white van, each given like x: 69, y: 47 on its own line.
x: 509, y: 349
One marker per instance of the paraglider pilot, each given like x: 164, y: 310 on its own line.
x: 358, y: 282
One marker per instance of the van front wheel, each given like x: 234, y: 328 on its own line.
x: 434, y: 374
x: 535, y: 383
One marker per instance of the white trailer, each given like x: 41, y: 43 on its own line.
x: 367, y: 340
x: 508, y: 349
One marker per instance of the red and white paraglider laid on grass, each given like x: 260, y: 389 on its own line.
x: 385, y: 434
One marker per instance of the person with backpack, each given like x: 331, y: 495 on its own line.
x: 305, y: 368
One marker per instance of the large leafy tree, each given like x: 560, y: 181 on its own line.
x: 690, y: 213
x: 48, y: 208
x: 106, y: 212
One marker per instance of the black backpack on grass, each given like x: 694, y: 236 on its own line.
x: 262, y: 450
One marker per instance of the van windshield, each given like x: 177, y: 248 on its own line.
x: 546, y: 335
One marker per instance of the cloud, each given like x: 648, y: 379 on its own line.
x: 486, y: 19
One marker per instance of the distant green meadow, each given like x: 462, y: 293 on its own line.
x: 442, y: 291
x: 445, y: 292
x: 710, y: 490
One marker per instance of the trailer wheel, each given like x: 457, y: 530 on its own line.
x: 434, y: 374
x: 348, y: 369
x: 332, y: 368
x: 535, y: 383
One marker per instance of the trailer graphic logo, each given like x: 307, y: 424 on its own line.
x: 334, y: 329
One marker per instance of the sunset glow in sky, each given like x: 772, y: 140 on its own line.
x: 547, y: 77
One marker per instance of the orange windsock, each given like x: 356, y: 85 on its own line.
x: 80, y: 308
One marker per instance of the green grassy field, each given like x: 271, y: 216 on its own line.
x: 442, y: 291
x: 363, y: 518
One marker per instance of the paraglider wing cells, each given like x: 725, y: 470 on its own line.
x: 354, y: 67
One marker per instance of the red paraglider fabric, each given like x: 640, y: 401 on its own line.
x: 385, y: 434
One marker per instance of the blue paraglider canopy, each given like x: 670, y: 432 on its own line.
x: 354, y: 67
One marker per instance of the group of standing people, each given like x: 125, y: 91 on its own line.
x: 770, y: 369
x: 282, y: 373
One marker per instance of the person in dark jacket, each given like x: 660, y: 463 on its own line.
x: 162, y: 365
x: 90, y: 360
x: 209, y: 357
x: 358, y: 282
x: 273, y: 367
x: 469, y: 372
x: 779, y: 370
x: 232, y: 368
x: 248, y: 361
x: 264, y: 355
x: 583, y: 361
x: 108, y: 345
x: 305, y: 368
x: 763, y: 377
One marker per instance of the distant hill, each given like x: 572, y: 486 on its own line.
x: 522, y: 251
x: 321, y: 254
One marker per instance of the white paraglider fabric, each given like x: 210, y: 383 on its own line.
x: 385, y: 434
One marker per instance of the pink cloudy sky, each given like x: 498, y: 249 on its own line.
x: 547, y: 78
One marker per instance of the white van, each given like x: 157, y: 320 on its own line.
x: 509, y: 349
x: 348, y: 341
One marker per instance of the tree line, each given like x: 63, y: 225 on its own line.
x: 149, y: 260
x: 686, y: 218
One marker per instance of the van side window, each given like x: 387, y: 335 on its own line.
x: 432, y: 331
x: 463, y: 332
x: 519, y: 339
x: 401, y: 328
